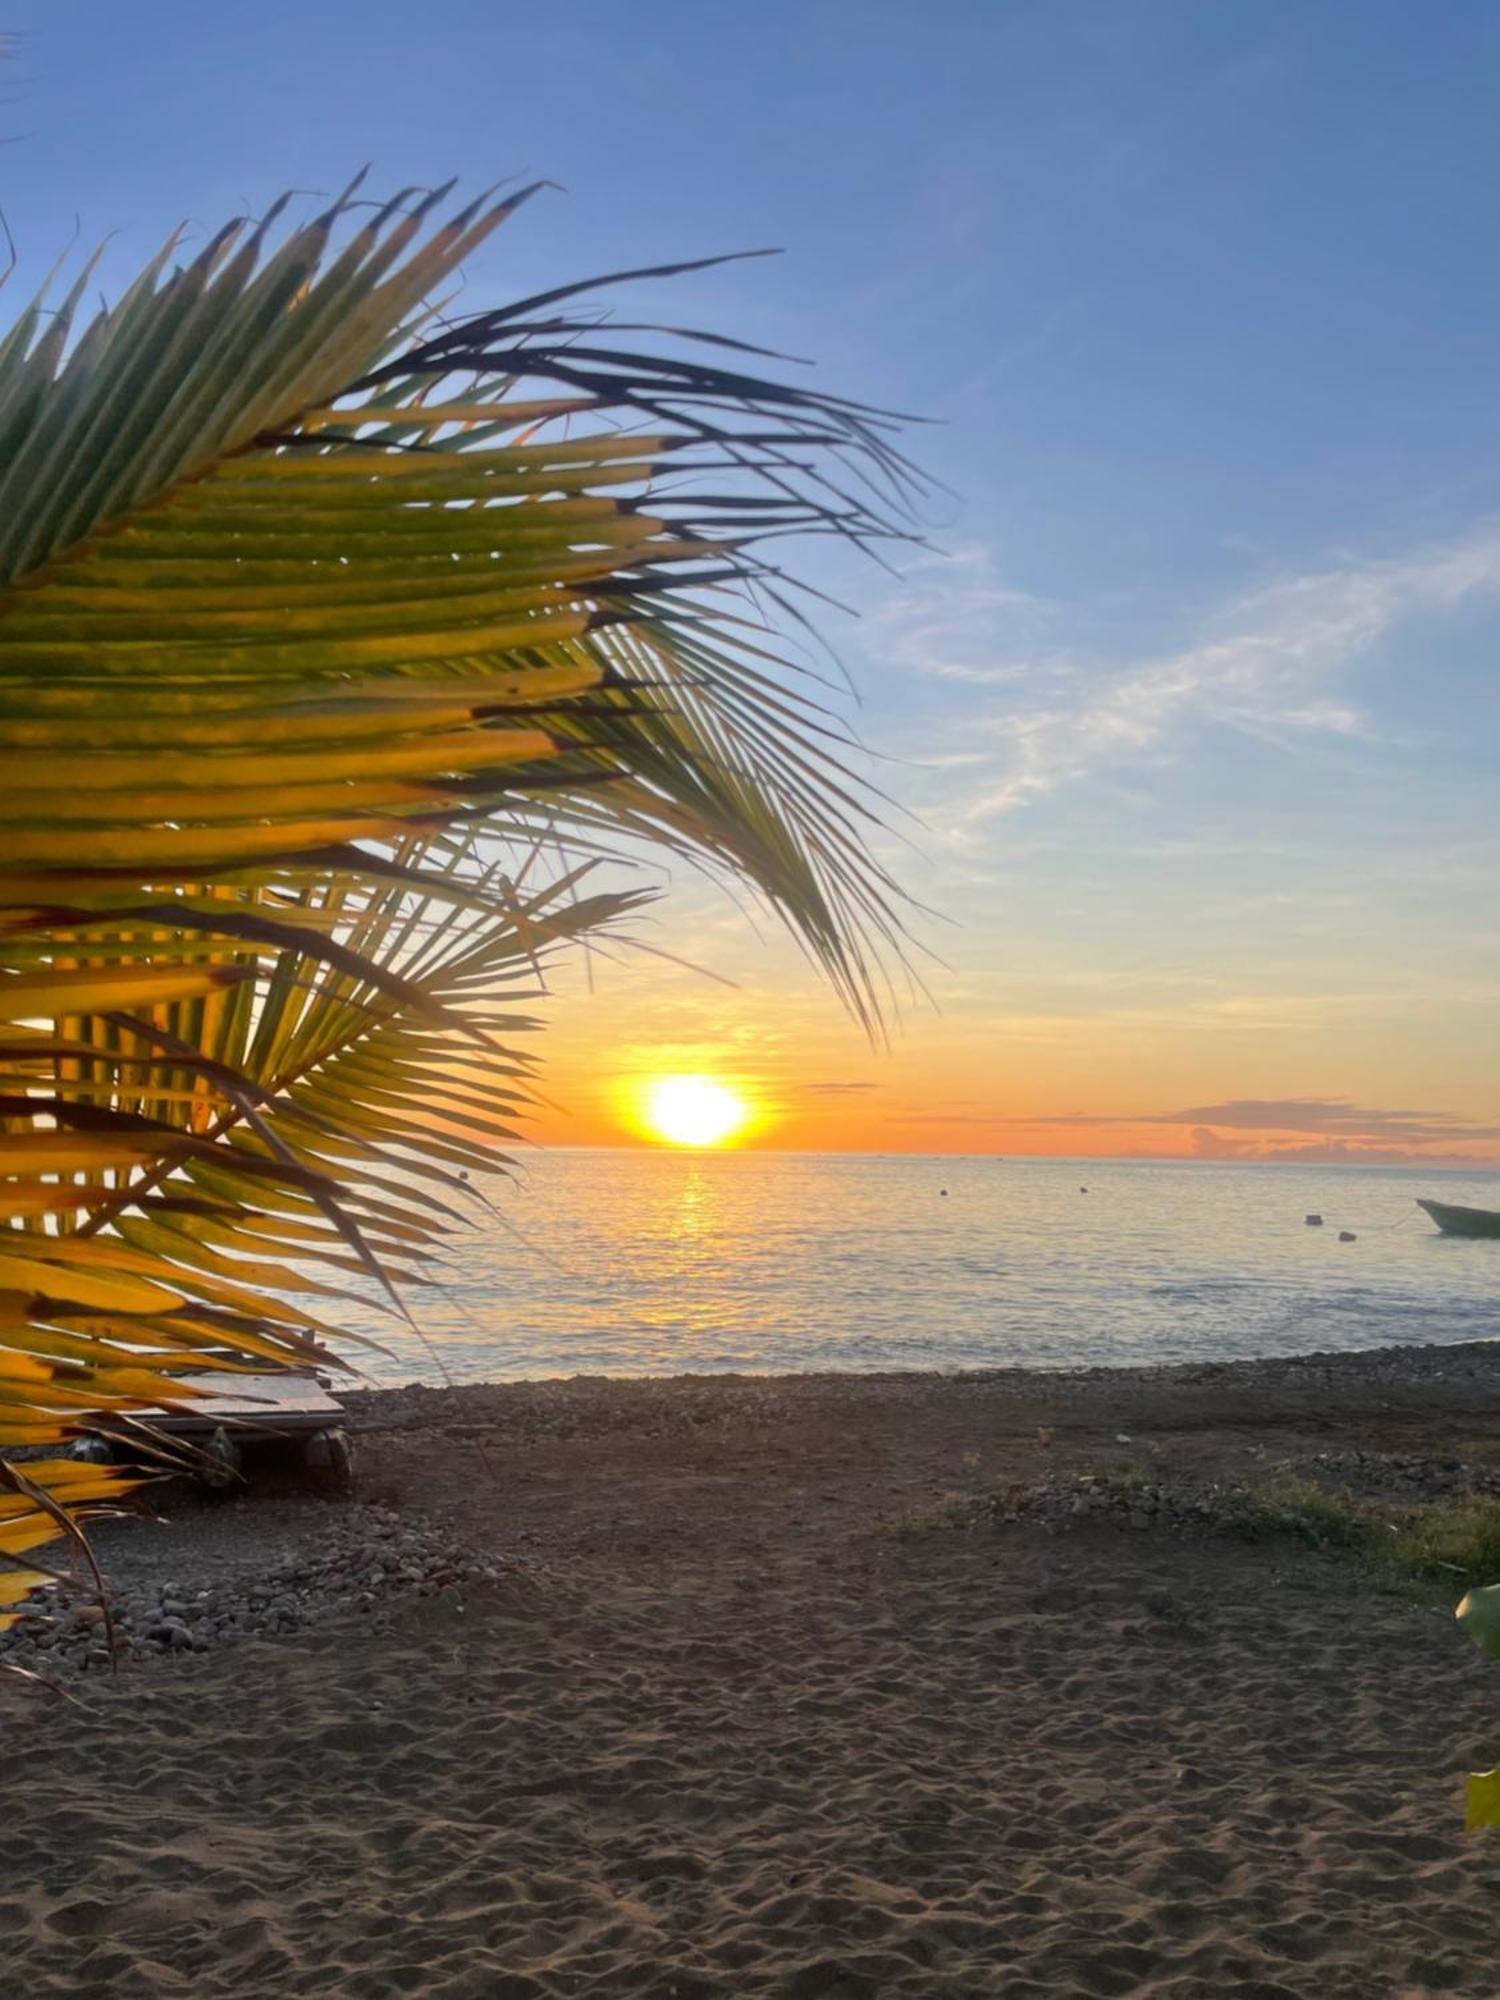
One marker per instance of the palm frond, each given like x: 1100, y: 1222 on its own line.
x: 313, y: 609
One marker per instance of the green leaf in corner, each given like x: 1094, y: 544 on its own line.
x: 1479, y: 1614
x: 1482, y: 1800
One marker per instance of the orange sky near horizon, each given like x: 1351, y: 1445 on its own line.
x: 980, y: 1069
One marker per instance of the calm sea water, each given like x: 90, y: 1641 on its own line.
x: 649, y: 1263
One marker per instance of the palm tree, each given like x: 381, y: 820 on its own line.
x: 338, y: 642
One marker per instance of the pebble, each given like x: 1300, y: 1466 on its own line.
x: 371, y: 1560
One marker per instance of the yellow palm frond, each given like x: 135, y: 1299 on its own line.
x: 316, y: 615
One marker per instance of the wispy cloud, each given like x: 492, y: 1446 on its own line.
x: 1334, y: 1116
x: 1321, y: 1127
x: 1262, y: 665
x: 955, y: 620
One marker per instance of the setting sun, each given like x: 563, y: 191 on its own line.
x: 694, y: 1111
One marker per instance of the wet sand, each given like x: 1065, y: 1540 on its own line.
x: 734, y: 1719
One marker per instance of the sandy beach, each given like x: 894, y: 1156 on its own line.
x: 737, y: 1711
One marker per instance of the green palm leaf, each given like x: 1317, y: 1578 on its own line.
x: 313, y: 610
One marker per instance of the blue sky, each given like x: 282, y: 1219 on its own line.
x: 1197, y: 704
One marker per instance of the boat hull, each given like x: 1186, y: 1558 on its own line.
x: 1455, y: 1221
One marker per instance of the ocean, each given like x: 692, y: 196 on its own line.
x: 661, y: 1262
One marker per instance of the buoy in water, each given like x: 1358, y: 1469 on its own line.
x: 1347, y: 1236
x: 1313, y: 1221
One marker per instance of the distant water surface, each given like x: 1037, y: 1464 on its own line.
x: 654, y: 1263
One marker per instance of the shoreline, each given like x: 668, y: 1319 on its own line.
x: 1434, y: 1372
x: 1394, y: 1350
x: 1357, y: 1357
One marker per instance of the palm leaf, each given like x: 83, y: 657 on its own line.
x: 313, y: 611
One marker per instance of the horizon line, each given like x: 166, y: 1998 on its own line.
x: 1414, y: 1164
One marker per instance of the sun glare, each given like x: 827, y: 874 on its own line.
x: 694, y: 1111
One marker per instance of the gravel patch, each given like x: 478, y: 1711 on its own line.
x: 354, y: 1563
x: 1177, y: 1500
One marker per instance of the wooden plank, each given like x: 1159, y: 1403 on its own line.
x: 276, y: 1402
